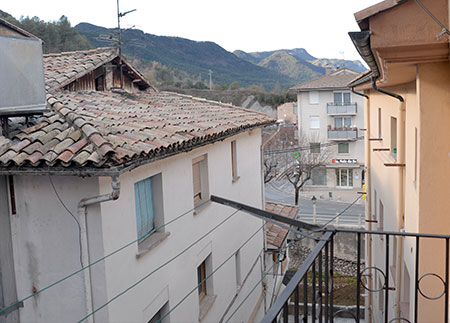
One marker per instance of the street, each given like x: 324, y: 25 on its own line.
x: 283, y: 192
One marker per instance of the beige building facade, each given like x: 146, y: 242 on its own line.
x: 407, y: 117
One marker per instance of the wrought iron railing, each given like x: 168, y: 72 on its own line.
x: 317, y: 275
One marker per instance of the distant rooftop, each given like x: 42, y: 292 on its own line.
x: 335, y: 80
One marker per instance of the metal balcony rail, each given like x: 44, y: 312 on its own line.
x: 317, y: 274
x: 342, y: 108
x: 343, y: 134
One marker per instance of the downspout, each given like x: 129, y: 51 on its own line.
x: 82, y: 213
x: 400, y: 193
x: 368, y: 183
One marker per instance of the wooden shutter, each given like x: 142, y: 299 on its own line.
x: 196, y: 177
x: 145, y: 215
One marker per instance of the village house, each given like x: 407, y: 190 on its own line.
x: 329, y: 114
x: 407, y: 116
x: 104, y: 177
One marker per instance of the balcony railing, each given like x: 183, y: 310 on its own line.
x: 316, y: 274
x: 334, y: 109
x: 343, y: 134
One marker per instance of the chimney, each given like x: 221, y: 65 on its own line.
x: 22, y: 85
x: 327, y: 70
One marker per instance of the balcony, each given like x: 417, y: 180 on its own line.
x: 342, y: 134
x: 346, y: 109
x: 309, y: 295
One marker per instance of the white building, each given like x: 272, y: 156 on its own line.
x: 329, y: 113
x: 121, y: 179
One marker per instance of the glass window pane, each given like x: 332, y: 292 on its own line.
x: 348, y: 122
x: 337, y: 98
x: 343, y: 148
x: 350, y: 177
x: 338, y: 122
x: 347, y: 98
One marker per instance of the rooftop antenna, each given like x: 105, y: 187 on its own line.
x: 119, y: 42
x: 343, y: 58
x: 210, y: 79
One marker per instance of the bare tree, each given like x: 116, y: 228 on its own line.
x: 311, y: 155
x: 270, y: 170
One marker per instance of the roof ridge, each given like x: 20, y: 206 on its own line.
x: 102, y: 146
x: 92, y: 50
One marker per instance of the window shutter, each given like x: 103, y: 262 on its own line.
x: 197, y: 181
x: 145, y: 215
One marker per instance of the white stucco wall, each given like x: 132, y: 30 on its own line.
x: 356, y: 148
x: 46, y: 246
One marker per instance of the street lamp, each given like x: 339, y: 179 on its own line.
x: 314, y: 199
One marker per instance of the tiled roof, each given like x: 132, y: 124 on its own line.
x: 63, y: 68
x: 336, y: 80
x: 276, y: 235
x: 107, y: 129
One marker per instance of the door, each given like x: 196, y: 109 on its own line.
x: 8, y: 292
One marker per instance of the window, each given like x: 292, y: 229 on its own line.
x: 200, y: 179
x: 342, y: 122
x: 394, y: 136
x: 294, y: 108
x: 319, y: 176
x: 234, y: 172
x: 314, y: 147
x: 160, y: 314
x: 343, y: 148
x: 237, y: 258
x: 314, y: 122
x: 342, y: 98
x: 12, y: 195
x: 379, y: 122
x: 344, y: 177
x: 381, y: 219
x: 314, y: 97
x: 201, y: 280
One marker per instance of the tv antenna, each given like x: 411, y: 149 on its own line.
x: 119, y: 39
x: 343, y: 58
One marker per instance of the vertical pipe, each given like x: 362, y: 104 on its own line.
x: 446, y: 279
x: 386, y: 283
x: 416, y: 295
x: 358, y: 276
x: 296, y: 311
x: 320, y: 287
x: 313, y: 291
x: 82, y: 215
x: 331, y: 277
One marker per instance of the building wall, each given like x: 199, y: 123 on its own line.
x: 46, y: 241
x: 177, y: 279
x: 356, y: 148
x: 426, y: 204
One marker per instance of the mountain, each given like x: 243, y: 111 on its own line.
x: 288, y: 64
x: 190, y: 56
x: 296, y: 63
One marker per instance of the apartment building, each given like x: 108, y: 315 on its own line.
x: 407, y: 116
x: 331, y: 116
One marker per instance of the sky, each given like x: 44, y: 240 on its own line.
x: 319, y: 26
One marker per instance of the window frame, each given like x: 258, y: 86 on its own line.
x: 200, y: 194
x: 343, y: 144
x: 315, y: 118
x: 314, y: 147
x: 342, y: 95
x: 313, y: 97
x: 394, y: 137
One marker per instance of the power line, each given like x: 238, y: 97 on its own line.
x: 212, y: 273
x: 256, y: 285
x: 158, y: 268
x: 339, y: 214
x: 444, y: 29
x: 102, y: 258
x: 73, y: 216
x: 302, y: 148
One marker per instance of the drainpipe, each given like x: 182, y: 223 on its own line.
x: 368, y: 183
x: 400, y: 193
x: 82, y: 213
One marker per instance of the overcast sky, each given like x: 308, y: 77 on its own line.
x: 319, y: 26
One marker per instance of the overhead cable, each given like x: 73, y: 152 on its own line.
x: 159, y: 267
x: 102, y: 258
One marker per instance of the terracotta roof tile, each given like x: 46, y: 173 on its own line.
x: 275, y: 235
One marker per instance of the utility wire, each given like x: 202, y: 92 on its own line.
x: 256, y: 285
x: 73, y: 216
x: 212, y: 273
x: 339, y: 214
x: 444, y: 29
x: 102, y: 258
x: 159, y: 267
x: 302, y: 148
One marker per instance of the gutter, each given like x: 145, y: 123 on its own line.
x: 82, y: 213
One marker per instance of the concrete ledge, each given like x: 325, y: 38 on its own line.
x: 151, y: 242
x: 205, y: 305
